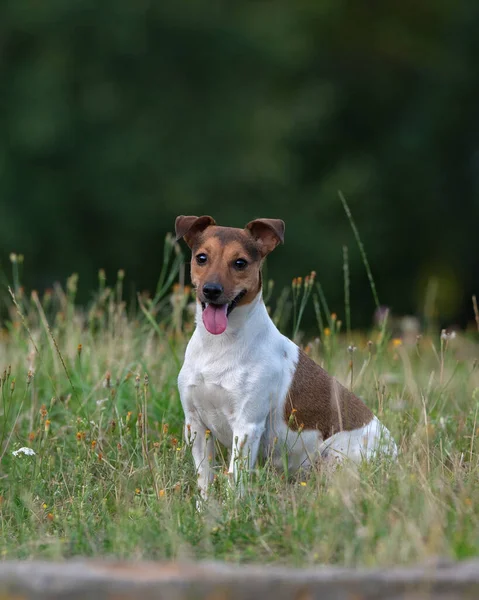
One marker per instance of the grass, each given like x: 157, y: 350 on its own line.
x: 93, y: 393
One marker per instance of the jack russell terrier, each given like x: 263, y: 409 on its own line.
x: 247, y: 385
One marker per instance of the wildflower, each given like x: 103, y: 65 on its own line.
x: 174, y: 442
x: 397, y: 342
x: 165, y: 428
x: 31, y: 436
x: 80, y: 435
x: 79, y: 349
x: 303, y: 484
x: 327, y: 331
x: 43, y: 411
x: 137, y: 491
x: 93, y: 443
x: 47, y: 424
x: 13, y: 258
x: 118, y: 446
x: 351, y: 348
x: 161, y: 493
x: 44, y: 506
x: 24, y: 450
x: 334, y: 317
x: 207, y: 434
x: 50, y: 516
x: 100, y: 456
x: 446, y: 337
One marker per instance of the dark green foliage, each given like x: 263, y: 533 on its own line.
x: 115, y: 116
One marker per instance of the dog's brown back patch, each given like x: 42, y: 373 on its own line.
x: 318, y: 401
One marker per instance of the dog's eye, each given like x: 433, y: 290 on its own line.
x: 201, y: 259
x: 240, y: 264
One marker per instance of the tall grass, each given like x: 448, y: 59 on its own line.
x: 92, y: 391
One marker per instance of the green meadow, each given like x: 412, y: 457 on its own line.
x: 90, y: 392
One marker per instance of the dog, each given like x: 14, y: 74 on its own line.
x: 245, y: 384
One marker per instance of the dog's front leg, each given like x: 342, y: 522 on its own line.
x: 244, y: 452
x: 203, y: 449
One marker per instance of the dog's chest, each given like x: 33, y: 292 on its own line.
x: 220, y: 397
x: 228, y: 385
x: 217, y: 409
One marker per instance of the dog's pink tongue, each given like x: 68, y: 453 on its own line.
x: 215, y: 318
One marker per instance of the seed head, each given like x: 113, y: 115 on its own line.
x: 107, y: 382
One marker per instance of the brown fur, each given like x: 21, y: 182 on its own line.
x: 223, y: 246
x: 317, y: 401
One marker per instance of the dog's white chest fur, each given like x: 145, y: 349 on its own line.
x: 239, y: 377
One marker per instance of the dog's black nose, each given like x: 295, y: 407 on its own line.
x: 212, y: 291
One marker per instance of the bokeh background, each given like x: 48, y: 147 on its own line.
x: 115, y: 116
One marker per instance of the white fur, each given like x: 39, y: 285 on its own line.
x: 235, y: 384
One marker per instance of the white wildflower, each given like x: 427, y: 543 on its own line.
x: 446, y: 337
x: 24, y: 450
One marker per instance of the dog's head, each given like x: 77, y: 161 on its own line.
x: 226, y: 263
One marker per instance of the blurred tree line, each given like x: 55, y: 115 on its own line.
x: 116, y: 116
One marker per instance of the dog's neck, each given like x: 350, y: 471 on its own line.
x: 246, y: 320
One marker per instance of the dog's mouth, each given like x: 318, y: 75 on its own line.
x: 215, y: 316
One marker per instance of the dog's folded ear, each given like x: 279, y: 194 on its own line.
x: 268, y: 232
x: 189, y: 227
